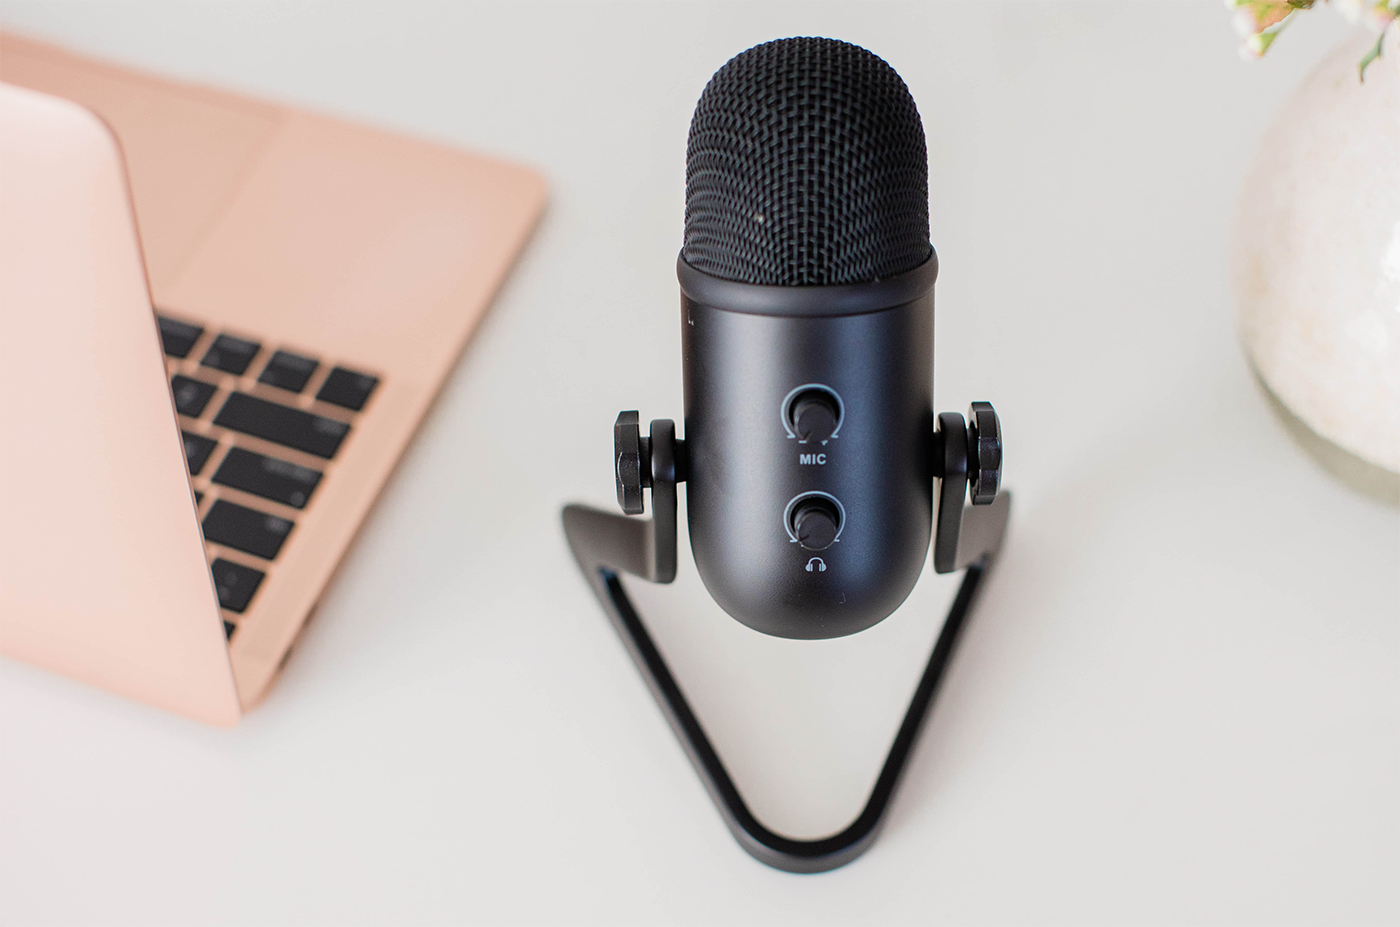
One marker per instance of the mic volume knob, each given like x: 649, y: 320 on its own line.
x: 815, y: 523
x: 814, y: 416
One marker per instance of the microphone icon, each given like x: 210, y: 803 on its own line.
x: 811, y: 451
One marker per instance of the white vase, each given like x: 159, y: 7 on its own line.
x: 1317, y: 265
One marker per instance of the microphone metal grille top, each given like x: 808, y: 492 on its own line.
x: 806, y: 166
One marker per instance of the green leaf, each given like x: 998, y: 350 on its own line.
x: 1372, y: 55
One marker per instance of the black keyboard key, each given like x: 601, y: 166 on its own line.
x: 268, y: 477
x: 177, y: 337
x: 245, y: 529
x: 198, y: 497
x: 314, y: 434
x: 288, y: 371
x: 347, y: 388
x: 230, y: 354
x: 197, y: 451
x: 191, y: 396
x: 235, y: 584
x: 229, y: 628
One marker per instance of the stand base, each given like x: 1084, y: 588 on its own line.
x: 605, y: 545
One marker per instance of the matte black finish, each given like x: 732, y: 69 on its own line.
x: 627, y: 463
x: 230, y: 354
x: 270, y: 477
x: 235, y: 583
x: 271, y: 421
x: 983, y: 453
x: 815, y: 523
x: 742, y: 372
x: 197, y: 450
x: 606, y: 545
x: 808, y: 301
x: 245, y: 529
x: 806, y: 166
x: 814, y: 416
x: 810, y: 447
x: 288, y: 371
x: 950, y: 466
x: 191, y: 395
x: 347, y: 388
x: 176, y: 337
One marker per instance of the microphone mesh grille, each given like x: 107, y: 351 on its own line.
x: 806, y: 166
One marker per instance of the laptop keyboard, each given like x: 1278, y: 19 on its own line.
x: 260, y: 424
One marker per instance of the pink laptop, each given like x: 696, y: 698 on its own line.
x: 224, y: 320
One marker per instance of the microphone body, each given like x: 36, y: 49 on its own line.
x: 810, y: 452
x: 807, y: 298
x: 808, y: 423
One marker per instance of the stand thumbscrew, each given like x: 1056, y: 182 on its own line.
x: 983, y: 453
x: 632, y: 454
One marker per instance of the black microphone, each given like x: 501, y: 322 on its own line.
x: 807, y: 280
x: 811, y: 450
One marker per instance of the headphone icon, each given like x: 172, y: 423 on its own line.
x: 816, y: 564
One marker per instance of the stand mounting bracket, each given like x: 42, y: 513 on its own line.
x: 964, y: 455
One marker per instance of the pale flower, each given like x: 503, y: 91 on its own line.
x: 1255, y: 46
x: 1259, y: 22
x: 1380, y: 16
x: 1351, y: 10
x: 1243, y: 21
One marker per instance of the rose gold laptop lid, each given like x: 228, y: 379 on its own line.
x: 102, y: 566
x: 357, y: 250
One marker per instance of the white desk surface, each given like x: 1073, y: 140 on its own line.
x: 1177, y: 704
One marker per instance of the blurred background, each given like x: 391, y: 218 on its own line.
x: 1179, y: 701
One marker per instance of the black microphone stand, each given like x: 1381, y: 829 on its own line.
x: 605, y: 545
